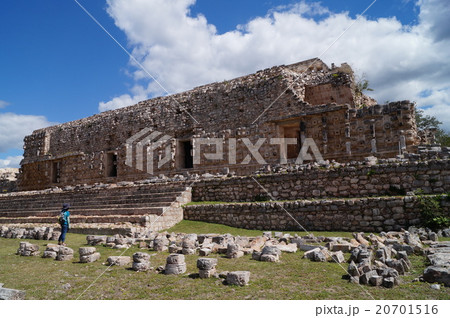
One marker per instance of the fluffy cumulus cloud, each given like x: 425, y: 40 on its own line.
x: 182, y: 51
x: 13, y: 129
x: 11, y: 162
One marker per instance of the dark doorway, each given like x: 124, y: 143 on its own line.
x: 111, y: 165
x: 187, y: 154
x: 56, y: 172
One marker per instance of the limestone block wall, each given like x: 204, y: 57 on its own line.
x: 383, y: 129
x: 359, y: 181
x: 172, y: 214
x: 368, y: 214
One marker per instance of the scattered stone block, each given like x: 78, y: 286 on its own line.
x: 290, y: 248
x: 207, y: 267
x: 345, y: 248
x: 118, y: 260
x: 95, y: 240
x: 175, y: 264
x: 338, y: 257
x: 320, y: 256
x: 310, y: 254
x: 64, y: 254
x: 233, y: 251
x: 256, y: 256
x: 90, y: 258
x: 50, y: 254
x: 28, y: 249
x: 141, y: 262
x: 376, y: 280
x: 360, y: 239
x: 87, y: 250
x: 11, y: 294
x: 88, y: 254
x: 269, y: 258
x: 353, y: 270
x: 435, y: 274
x: 161, y: 243
x: 239, y: 278
x: 364, y: 279
x: 388, y: 282
x: 204, y: 251
x: 51, y: 251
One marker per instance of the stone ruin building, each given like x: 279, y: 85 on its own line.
x: 102, y: 164
x: 315, y: 101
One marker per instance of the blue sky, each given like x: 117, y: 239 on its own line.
x: 57, y: 65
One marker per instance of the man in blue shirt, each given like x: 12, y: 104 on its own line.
x: 64, y: 221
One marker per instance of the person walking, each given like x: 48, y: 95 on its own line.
x: 64, y: 221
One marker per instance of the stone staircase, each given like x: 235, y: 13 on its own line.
x: 104, y: 206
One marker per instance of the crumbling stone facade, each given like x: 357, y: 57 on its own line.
x: 303, y: 100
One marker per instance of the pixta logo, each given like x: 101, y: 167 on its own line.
x: 142, y: 145
x: 140, y: 150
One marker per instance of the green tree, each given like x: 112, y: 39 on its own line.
x: 362, y: 85
x: 430, y: 122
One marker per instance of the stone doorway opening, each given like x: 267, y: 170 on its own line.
x: 111, y: 164
x: 185, y: 159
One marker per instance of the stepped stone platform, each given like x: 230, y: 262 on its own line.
x: 106, y: 206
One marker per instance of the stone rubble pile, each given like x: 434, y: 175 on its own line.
x: 36, y: 233
x: 141, y: 262
x: 175, y: 264
x: 28, y: 249
x: 88, y: 254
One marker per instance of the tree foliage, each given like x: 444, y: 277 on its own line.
x: 362, y: 85
x: 430, y: 122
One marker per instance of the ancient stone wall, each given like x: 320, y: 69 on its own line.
x: 363, y: 214
x: 353, y: 181
x: 268, y: 104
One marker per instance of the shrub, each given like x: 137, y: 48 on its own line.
x: 431, y: 212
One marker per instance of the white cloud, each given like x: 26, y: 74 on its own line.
x: 10, y: 162
x: 183, y: 51
x: 121, y: 101
x: 3, y: 104
x: 14, y: 128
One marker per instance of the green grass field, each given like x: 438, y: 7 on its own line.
x: 292, y: 278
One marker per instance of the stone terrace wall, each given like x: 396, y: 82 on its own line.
x: 368, y: 214
x: 378, y: 180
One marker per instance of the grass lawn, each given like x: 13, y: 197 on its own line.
x: 292, y: 278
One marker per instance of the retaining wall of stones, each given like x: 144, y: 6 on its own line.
x: 362, y: 214
x: 432, y: 177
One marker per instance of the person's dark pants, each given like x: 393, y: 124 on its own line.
x: 64, y: 230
